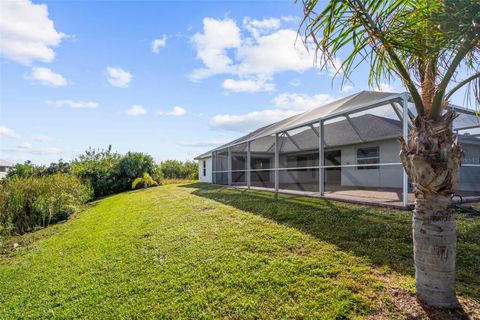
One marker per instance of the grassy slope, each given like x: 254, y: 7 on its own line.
x: 196, y: 251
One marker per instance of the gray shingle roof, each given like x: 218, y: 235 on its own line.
x: 368, y: 127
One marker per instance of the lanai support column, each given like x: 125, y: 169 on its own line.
x: 321, y: 159
x: 248, y: 167
x: 229, y: 166
x: 213, y: 167
x: 276, y: 162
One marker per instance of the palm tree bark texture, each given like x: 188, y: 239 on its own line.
x: 432, y: 157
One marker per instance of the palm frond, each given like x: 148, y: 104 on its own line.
x: 423, y: 43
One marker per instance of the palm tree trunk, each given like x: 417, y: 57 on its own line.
x: 434, y: 245
x: 432, y: 158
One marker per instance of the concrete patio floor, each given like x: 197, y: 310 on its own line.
x: 386, y: 197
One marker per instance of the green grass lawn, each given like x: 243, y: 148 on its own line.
x: 198, y: 251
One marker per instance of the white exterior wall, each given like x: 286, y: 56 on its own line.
x: 4, y: 173
x: 208, y: 177
x: 384, y: 177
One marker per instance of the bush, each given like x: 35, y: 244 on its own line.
x: 109, y: 172
x: 58, y: 167
x: 25, y: 170
x: 26, y: 203
x: 134, y: 165
x: 28, y: 169
x: 174, y: 169
x: 171, y: 169
x: 190, y: 170
x: 98, y: 169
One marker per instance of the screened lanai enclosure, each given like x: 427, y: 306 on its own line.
x: 347, y: 149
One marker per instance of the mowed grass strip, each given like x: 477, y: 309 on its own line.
x: 198, y: 251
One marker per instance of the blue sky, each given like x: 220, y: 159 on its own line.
x: 170, y: 78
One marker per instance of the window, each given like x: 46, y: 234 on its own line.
x: 3, y: 169
x: 204, y: 168
x: 368, y: 156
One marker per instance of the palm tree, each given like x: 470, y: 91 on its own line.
x: 145, y: 181
x: 428, y: 45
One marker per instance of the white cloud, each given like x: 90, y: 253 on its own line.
x: 274, y: 53
x: 26, y: 31
x: 286, y: 105
x: 136, y: 110
x: 25, y: 146
x: 204, y: 143
x: 73, y: 104
x: 212, y: 45
x: 346, y: 88
x: 118, y: 77
x: 270, y: 50
x: 289, y: 18
x: 249, y: 121
x: 47, y: 77
x: 259, y: 27
x: 30, y: 149
x: 250, y: 85
x: 43, y: 139
x: 51, y: 150
x: 295, y: 82
x: 332, y: 68
x: 298, y: 101
x: 385, y: 87
x: 176, y: 112
x: 157, y: 44
x: 8, y: 133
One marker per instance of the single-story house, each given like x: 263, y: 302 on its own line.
x: 347, y: 147
x: 4, y: 167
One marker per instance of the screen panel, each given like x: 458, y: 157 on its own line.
x: 382, y: 185
x: 221, y: 163
x: 299, y: 180
x: 299, y: 147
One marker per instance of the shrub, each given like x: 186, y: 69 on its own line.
x: 26, y: 203
x: 145, y: 181
x: 109, y: 172
x: 190, y: 170
x: 171, y: 169
x: 98, y: 169
x: 25, y: 170
x: 58, y: 167
x: 174, y: 169
x: 134, y: 165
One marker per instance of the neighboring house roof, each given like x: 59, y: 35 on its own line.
x: 4, y: 163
